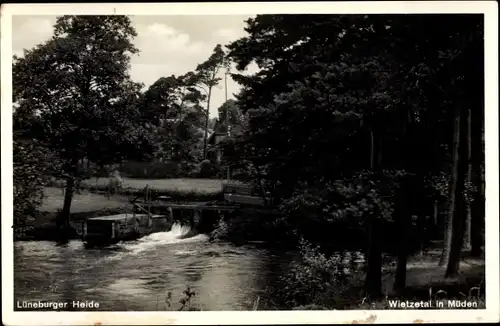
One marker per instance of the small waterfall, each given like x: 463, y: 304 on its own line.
x: 179, y: 233
x: 180, y: 230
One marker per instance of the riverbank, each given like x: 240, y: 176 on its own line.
x: 85, y: 205
x: 425, y: 282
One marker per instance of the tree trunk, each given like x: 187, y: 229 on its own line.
x: 373, y: 279
x: 448, y: 223
x: 468, y: 220
x: 435, y: 217
x: 478, y: 203
x: 372, y: 149
x: 476, y: 228
x: 64, y: 216
x: 379, y: 152
x: 459, y: 215
x: 403, y: 220
x: 205, y: 138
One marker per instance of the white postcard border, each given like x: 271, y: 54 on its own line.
x: 491, y: 313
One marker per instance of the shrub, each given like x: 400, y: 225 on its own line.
x: 207, y: 169
x: 314, y: 280
x: 30, y: 165
x: 221, y: 231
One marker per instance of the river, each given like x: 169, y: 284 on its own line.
x: 137, y: 275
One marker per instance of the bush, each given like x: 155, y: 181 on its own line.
x: 250, y: 224
x: 221, y: 231
x: 315, y: 280
x: 207, y: 169
x: 30, y: 163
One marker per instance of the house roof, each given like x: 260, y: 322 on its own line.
x: 211, y: 139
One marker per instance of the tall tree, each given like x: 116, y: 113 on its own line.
x: 78, y: 86
x: 171, y: 98
x: 448, y: 226
x: 207, y: 77
x: 463, y: 59
x: 477, y: 206
x: 172, y: 106
x: 468, y: 185
x: 459, y: 209
x: 477, y: 179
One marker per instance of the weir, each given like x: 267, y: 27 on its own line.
x: 151, y: 216
x: 202, y: 217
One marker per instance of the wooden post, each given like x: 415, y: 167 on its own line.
x: 84, y: 229
x: 149, y: 202
x: 197, y: 217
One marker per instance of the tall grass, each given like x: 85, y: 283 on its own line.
x: 190, y: 190
x: 185, y: 301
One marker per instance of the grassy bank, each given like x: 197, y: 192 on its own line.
x: 177, y: 189
x: 180, y: 185
x: 84, y: 205
x: 83, y: 202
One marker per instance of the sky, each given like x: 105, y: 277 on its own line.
x: 169, y: 45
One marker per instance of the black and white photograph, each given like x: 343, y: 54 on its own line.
x: 284, y: 162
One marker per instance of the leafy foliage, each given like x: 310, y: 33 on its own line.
x: 208, y: 169
x: 78, y: 95
x: 229, y: 112
x: 77, y: 85
x: 28, y: 180
x: 172, y: 107
x: 325, y: 107
x: 350, y: 117
x: 316, y: 279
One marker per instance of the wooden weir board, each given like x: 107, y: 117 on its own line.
x: 123, y: 217
x: 238, y: 189
x: 195, y: 207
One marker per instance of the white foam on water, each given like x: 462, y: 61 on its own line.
x: 129, y: 287
x: 175, y: 235
x: 184, y: 252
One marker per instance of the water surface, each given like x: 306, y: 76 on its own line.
x: 137, y: 275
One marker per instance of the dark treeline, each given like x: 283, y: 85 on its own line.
x: 361, y: 128
x: 372, y: 122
